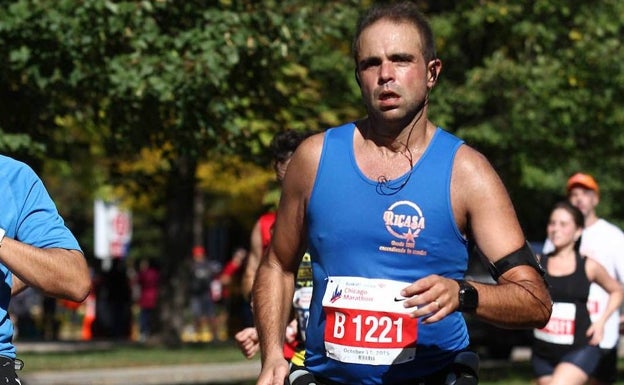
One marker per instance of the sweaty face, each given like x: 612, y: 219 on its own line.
x: 585, y: 199
x: 561, y: 229
x: 392, y: 70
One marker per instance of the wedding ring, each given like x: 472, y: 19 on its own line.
x: 438, y: 304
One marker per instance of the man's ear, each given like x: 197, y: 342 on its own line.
x: 434, y: 74
x: 435, y: 66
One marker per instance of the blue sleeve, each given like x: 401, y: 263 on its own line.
x: 31, y: 214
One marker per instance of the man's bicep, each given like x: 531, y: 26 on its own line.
x: 490, y: 212
x: 497, y: 231
x: 290, y: 232
x: 255, y: 247
x: 253, y: 260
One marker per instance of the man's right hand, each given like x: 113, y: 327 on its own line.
x: 247, y: 340
x: 274, y: 372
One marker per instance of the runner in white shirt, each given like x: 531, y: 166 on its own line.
x: 603, y: 242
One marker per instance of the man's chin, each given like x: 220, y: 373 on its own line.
x: 393, y: 112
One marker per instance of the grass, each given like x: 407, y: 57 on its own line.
x: 133, y: 355
x: 129, y: 355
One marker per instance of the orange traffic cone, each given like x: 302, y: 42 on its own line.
x: 89, y: 317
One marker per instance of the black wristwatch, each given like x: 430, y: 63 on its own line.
x: 468, y: 297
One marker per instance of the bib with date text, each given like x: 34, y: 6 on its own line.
x: 366, y: 322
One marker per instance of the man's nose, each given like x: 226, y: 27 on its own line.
x: 386, y: 72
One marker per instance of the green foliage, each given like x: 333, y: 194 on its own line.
x: 184, y: 79
x: 134, y: 96
x: 12, y: 143
x: 536, y: 87
x: 138, y: 94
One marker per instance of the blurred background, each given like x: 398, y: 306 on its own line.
x: 149, y: 122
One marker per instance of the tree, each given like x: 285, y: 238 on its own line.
x: 536, y: 86
x: 187, y: 80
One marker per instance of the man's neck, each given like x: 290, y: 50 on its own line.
x: 399, y: 138
x: 591, y: 219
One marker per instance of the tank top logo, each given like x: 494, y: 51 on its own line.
x: 404, y: 220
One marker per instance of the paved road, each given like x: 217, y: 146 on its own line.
x: 163, y: 375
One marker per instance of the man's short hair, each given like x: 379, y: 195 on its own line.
x: 405, y: 11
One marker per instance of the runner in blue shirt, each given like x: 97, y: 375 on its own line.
x: 36, y: 250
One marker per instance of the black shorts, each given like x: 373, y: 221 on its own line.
x: 585, y: 358
x: 7, y: 372
x: 606, y: 371
x: 454, y: 373
x: 300, y: 376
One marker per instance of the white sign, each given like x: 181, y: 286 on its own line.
x: 112, y: 229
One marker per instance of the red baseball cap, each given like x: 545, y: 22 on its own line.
x: 582, y: 180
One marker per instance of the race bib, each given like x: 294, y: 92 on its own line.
x: 301, y: 304
x: 560, y: 327
x: 366, y: 322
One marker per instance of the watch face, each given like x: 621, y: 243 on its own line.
x: 468, y: 297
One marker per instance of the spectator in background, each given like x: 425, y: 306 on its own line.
x: 119, y: 298
x: 49, y: 321
x: 566, y: 350
x: 283, y: 147
x: 21, y: 310
x: 203, y: 306
x: 603, y: 242
x: 231, y: 269
x: 148, y: 278
x: 235, y: 314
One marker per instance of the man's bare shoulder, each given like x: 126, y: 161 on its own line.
x: 473, y: 171
x: 306, y: 157
x: 311, y: 147
x: 304, y: 165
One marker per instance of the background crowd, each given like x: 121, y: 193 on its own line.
x: 123, y: 304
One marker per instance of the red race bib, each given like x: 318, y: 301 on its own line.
x: 366, y: 322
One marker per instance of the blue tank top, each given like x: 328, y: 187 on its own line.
x: 366, y: 244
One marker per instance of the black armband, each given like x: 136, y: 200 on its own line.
x: 522, y: 256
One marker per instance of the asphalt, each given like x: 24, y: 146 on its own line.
x: 203, y: 374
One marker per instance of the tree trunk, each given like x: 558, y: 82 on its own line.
x: 178, y: 243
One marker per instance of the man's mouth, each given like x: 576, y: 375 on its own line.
x: 387, y: 95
